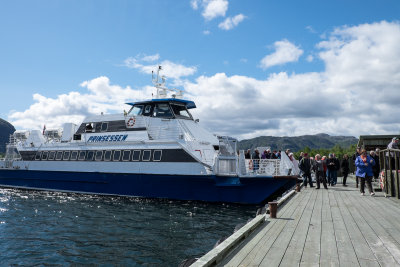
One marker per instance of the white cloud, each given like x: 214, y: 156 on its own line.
x: 206, y: 32
x: 310, y: 58
x: 357, y: 93
x: 214, y: 8
x: 170, y: 69
x: 231, y: 22
x: 101, y: 96
x: 211, y: 8
x: 285, y: 52
x: 195, y: 4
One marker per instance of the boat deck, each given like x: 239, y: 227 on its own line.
x: 335, y: 227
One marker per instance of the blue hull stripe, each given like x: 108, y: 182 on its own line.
x: 181, y: 187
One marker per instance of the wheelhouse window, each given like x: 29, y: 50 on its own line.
x: 157, y: 155
x: 107, y: 155
x: 162, y: 110
x: 90, y: 155
x: 104, y: 127
x: 147, y: 110
x: 181, y: 112
x: 89, y: 127
x: 66, y: 155
x: 52, y: 155
x: 146, y: 155
x: 126, y: 155
x: 59, y: 155
x: 74, y: 155
x: 99, y: 155
x: 82, y: 155
x: 137, y: 110
x: 38, y: 156
x: 136, y: 155
x: 117, y: 155
x: 44, y: 155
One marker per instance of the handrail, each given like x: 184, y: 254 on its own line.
x: 389, y: 162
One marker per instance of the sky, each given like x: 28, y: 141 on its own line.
x: 253, y: 68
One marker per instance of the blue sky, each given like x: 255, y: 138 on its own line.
x: 52, y: 48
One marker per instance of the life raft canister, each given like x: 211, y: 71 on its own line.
x: 131, y: 122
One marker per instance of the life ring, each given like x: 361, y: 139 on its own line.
x: 131, y: 122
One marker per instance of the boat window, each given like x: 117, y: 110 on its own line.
x: 44, y: 155
x: 52, y: 155
x: 126, y: 155
x: 136, y: 155
x: 90, y: 155
x: 107, y: 155
x: 89, y: 127
x: 137, y: 110
x: 38, y: 156
x: 104, y: 127
x: 82, y: 155
x: 181, y: 112
x: 59, y: 155
x: 147, y: 110
x: 117, y: 155
x: 146, y: 155
x: 74, y: 155
x: 66, y: 155
x: 99, y: 155
x: 157, y: 155
x: 162, y: 111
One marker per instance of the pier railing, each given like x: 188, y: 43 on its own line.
x: 389, y: 162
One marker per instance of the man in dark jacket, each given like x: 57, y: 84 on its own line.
x: 333, y: 166
x: 345, y: 168
x: 305, y: 166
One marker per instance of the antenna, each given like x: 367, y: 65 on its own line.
x: 161, y: 89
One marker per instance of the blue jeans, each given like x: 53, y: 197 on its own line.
x: 332, y: 176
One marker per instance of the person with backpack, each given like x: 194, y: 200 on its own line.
x: 305, y: 166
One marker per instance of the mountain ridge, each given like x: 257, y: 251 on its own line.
x: 297, y: 143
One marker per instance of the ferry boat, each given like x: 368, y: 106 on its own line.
x: 155, y: 150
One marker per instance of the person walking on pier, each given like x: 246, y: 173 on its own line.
x: 305, y: 166
x: 364, y: 172
x: 345, y: 168
x: 319, y: 171
x: 332, y: 164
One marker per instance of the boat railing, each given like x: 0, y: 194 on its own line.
x: 263, y: 166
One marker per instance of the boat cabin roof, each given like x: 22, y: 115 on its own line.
x: 189, y: 104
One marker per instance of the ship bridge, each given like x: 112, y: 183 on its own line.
x: 168, y: 108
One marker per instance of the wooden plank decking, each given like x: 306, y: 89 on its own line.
x: 334, y: 227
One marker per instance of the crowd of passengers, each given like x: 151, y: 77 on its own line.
x: 326, y: 168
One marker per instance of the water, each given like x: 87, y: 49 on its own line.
x: 49, y: 228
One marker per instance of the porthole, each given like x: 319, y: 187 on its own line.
x: 66, y: 155
x: 74, y: 155
x: 157, y: 155
x: 117, y: 155
x: 59, y: 155
x: 99, y: 155
x: 146, y: 155
x: 126, y: 155
x: 82, y: 155
x: 90, y: 155
x: 107, y: 155
x: 136, y: 155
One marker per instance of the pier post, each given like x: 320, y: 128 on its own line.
x: 273, y: 209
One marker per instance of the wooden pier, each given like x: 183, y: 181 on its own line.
x: 334, y: 227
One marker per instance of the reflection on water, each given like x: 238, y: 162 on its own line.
x: 61, y: 229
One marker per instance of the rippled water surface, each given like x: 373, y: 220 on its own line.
x: 64, y: 229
